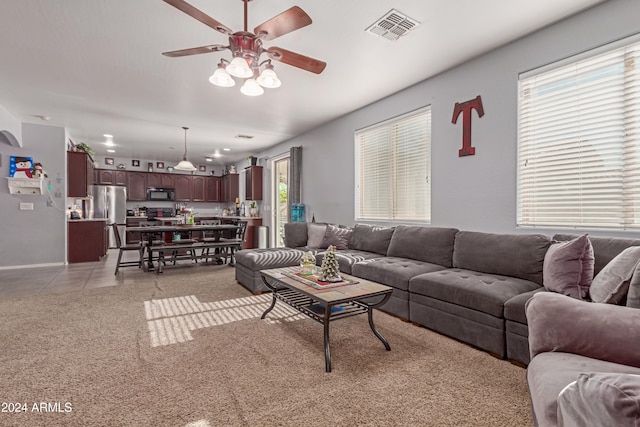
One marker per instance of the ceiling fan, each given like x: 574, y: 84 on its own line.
x: 246, y: 48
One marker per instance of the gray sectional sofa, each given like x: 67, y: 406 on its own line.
x: 471, y: 286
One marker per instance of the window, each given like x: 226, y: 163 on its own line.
x: 393, y: 164
x: 578, y: 141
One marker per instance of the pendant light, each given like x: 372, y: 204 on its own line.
x: 185, y: 165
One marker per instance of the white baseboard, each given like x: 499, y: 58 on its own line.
x: 15, y: 267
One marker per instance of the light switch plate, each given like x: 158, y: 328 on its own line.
x: 26, y: 206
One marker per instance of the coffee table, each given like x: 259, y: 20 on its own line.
x: 325, y: 303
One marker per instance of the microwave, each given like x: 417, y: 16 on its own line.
x: 161, y: 194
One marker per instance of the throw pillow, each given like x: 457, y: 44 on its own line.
x: 315, y: 234
x: 633, y: 296
x: 568, y: 267
x: 612, y: 282
x: 600, y: 399
x: 336, y: 236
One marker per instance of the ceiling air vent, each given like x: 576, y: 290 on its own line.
x: 243, y: 136
x: 393, y: 25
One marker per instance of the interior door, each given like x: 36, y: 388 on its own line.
x: 280, y: 186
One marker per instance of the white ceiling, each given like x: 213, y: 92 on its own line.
x: 95, y: 66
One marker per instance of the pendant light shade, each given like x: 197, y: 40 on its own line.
x: 251, y: 88
x: 185, y: 165
x: 239, y: 68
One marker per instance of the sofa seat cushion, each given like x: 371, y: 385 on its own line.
x: 549, y: 373
x: 263, y: 259
x: 393, y: 271
x: 484, y: 292
x: 514, y: 307
x: 346, y: 258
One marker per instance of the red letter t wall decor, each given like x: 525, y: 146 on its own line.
x: 465, y: 108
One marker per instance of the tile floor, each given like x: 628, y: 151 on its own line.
x: 72, y: 277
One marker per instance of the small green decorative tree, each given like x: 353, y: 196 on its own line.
x: 330, y: 266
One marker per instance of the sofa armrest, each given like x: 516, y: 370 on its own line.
x: 600, y: 331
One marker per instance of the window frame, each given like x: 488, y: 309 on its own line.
x: 587, y: 218
x: 393, y: 216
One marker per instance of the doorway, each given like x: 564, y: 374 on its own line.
x: 280, y: 197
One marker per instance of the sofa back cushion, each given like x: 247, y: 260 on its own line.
x: 428, y: 244
x: 370, y: 238
x: 515, y: 255
x: 604, y: 248
x: 295, y: 234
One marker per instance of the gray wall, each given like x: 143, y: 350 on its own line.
x: 37, y: 236
x: 475, y: 192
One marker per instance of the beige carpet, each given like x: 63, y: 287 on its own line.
x: 192, y: 351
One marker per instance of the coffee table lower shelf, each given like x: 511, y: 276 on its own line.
x: 325, y: 312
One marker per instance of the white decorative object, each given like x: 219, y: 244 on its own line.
x: 33, y: 186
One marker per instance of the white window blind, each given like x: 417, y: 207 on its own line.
x: 393, y: 166
x: 578, y: 142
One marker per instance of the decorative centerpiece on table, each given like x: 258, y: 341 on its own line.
x: 307, y: 264
x: 330, y: 267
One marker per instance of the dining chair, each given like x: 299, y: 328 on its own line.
x: 209, y: 237
x: 235, y: 244
x: 122, y: 248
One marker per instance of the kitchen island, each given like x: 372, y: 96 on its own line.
x: 87, y: 239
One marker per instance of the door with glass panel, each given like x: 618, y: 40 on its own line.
x: 280, y: 188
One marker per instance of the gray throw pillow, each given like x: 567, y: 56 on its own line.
x: 315, y: 234
x: 336, y: 236
x: 612, y: 283
x: 568, y: 267
x: 633, y: 296
x: 600, y: 399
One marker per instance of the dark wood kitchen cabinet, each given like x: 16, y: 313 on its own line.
x: 198, y: 188
x: 111, y: 177
x: 253, y: 182
x: 87, y: 240
x: 80, y: 173
x: 213, y: 188
x: 136, y: 186
x: 230, y: 187
x: 161, y: 180
x: 184, y: 188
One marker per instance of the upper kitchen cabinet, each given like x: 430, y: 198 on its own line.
x: 230, y: 187
x: 213, y: 188
x: 253, y: 182
x: 111, y: 177
x: 136, y: 186
x: 198, y: 189
x: 184, y: 188
x: 161, y: 180
x: 80, y: 174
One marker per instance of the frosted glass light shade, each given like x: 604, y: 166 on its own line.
x: 269, y: 79
x: 221, y: 78
x: 251, y: 88
x: 238, y: 67
x: 185, y: 165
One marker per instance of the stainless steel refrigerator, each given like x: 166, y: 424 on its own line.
x: 108, y: 201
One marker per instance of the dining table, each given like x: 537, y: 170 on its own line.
x: 149, y: 233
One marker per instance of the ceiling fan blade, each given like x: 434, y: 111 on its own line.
x: 296, y: 60
x: 288, y: 21
x: 199, y: 15
x: 195, y: 50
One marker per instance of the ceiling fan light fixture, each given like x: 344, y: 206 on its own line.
x: 251, y: 88
x: 185, y: 165
x: 221, y: 78
x: 238, y: 67
x: 268, y: 78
